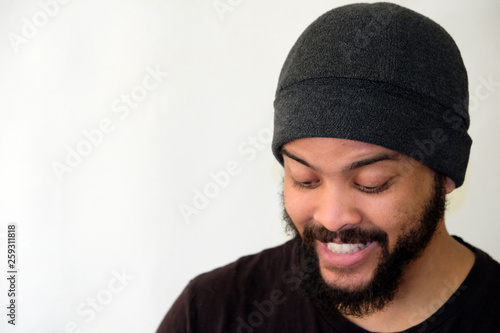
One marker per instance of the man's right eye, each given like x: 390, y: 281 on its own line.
x: 308, y: 184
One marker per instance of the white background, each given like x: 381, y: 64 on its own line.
x: 118, y: 210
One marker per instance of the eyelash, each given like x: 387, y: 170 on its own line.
x: 307, y: 185
x: 365, y: 189
x: 372, y: 190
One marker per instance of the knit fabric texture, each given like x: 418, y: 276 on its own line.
x: 378, y: 73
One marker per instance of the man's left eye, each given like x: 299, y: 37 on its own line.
x: 372, y: 189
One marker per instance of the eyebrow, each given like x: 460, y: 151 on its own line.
x: 298, y: 159
x: 372, y: 160
x: 355, y: 165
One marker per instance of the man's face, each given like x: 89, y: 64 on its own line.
x: 364, y: 213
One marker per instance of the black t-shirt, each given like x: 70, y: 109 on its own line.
x: 261, y: 293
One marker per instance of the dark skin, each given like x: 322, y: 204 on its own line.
x: 342, y: 184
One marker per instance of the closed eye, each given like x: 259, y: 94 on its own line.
x: 307, y: 185
x: 372, y: 189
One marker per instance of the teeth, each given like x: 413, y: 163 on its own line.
x: 346, y: 248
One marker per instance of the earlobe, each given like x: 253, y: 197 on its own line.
x: 450, y: 185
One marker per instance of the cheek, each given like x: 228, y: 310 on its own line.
x: 396, y: 217
x: 390, y: 215
x: 381, y: 212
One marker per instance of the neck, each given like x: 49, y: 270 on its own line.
x: 427, y: 285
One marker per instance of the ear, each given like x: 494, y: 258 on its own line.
x: 450, y: 185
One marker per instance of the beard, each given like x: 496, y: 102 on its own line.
x: 382, y: 288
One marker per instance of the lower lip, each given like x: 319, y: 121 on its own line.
x: 343, y: 260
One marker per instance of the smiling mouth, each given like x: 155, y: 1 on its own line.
x: 346, y: 248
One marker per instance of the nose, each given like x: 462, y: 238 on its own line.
x: 337, y: 209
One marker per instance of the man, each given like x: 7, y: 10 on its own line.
x: 371, y: 119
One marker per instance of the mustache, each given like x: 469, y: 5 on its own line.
x: 315, y: 232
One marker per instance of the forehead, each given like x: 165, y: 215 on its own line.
x: 333, y: 155
x: 322, y: 147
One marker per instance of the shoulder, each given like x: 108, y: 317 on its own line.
x: 484, y: 275
x: 478, y: 298
x: 216, y: 300
x: 485, y: 267
x: 274, y: 258
x: 264, y: 268
x: 474, y: 306
x: 488, y: 275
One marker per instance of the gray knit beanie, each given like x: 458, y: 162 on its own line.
x: 382, y: 74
